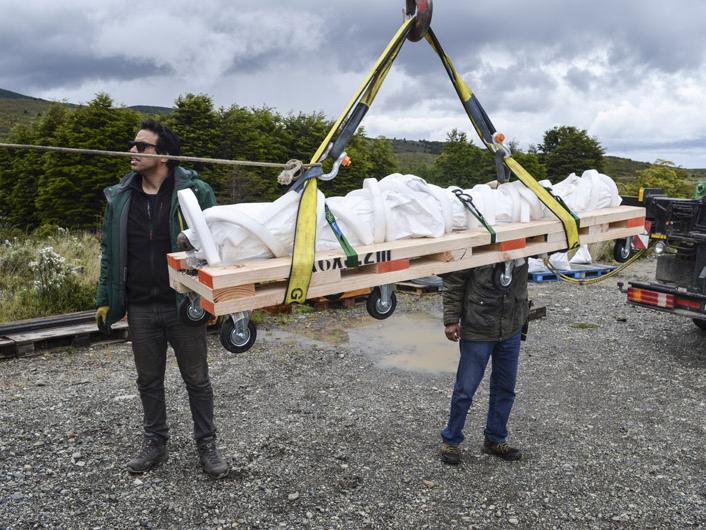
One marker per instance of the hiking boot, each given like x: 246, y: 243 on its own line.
x: 502, y: 450
x: 212, y: 462
x: 153, y: 452
x: 450, y: 454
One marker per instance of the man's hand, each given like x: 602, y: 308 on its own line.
x: 101, y: 316
x: 453, y: 332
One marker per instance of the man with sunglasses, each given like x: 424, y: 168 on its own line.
x: 141, y: 225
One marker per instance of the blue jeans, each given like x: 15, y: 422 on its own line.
x: 471, y: 367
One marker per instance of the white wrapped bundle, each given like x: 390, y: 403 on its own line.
x: 396, y: 207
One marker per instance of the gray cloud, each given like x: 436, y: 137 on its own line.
x: 597, y: 64
x: 52, y: 70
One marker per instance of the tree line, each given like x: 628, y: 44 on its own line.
x: 41, y: 188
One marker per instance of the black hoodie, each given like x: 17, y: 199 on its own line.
x: 148, y: 244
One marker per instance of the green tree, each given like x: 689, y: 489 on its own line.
x: 195, y: 121
x: 382, y: 157
x: 530, y: 161
x: 463, y: 164
x: 673, y: 180
x: 255, y: 134
x: 21, y: 170
x: 70, y: 190
x: 567, y: 150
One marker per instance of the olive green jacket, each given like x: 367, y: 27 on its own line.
x: 485, y: 311
x: 113, y: 271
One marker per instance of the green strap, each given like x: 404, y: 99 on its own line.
x: 467, y: 201
x: 351, y: 255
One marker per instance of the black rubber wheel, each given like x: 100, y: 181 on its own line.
x: 700, y: 322
x: 423, y: 10
x: 621, y: 251
x: 191, y: 315
x: 501, y: 281
x: 375, y: 307
x: 237, y: 342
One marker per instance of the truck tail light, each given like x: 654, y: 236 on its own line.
x: 647, y: 297
x: 687, y: 304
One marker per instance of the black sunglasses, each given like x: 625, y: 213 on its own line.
x: 141, y: 146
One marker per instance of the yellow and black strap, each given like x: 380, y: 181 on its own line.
x: 485, y: 129
x: 305, y: 231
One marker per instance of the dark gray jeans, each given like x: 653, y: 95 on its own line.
x: 151, y: 327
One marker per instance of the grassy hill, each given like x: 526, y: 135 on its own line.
x: 17, y: 108
x: 9, y: 94
x: 414, y: 154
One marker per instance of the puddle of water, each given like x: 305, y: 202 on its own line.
x: 410, y: 341
x: 407, y: 341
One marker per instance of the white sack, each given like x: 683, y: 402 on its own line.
x: 582, y: 256
x: 536, y: 265
x: 396, y: 207
x: 560, y: 261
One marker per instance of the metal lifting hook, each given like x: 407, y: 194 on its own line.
x: 423, y: 10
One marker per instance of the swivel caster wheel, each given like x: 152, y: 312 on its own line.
x: 502, y: 275
x: 622, y: 250
x: 378, y: 307
x: 192, y: 314
x: 237, y: 339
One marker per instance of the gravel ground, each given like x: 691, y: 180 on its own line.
x: 321, y: 432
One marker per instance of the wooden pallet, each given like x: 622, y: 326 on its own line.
x: 261, y: 283
x: 417, y: 288
x: 78, y: 335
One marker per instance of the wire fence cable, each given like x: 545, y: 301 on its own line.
x: 99, y: 152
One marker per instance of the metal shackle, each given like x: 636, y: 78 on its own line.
x: 423, y: 10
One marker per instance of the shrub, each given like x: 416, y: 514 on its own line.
x: 55, y: 275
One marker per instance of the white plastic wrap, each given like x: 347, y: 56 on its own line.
x: 396, y: 207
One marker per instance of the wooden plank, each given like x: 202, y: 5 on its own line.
x: 64, y: 331
x: 230, y: 293
x: 274, y: 293
x: 388, y: 266
x: 513, y: 245
x: 177, y: 261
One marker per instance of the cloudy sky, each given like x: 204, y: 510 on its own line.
x: 631, y: 72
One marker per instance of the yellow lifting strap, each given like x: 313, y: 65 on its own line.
x: 305, y: 231
x: 485, y: 129
x: 566, y: 216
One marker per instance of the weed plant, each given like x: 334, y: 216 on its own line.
x: 49, y: 271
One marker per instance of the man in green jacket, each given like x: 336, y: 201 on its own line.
x: 485, y: 308
x: 140, y: 227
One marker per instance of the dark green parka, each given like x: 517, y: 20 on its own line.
x: 485, y: 311
x: 113, y: 272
